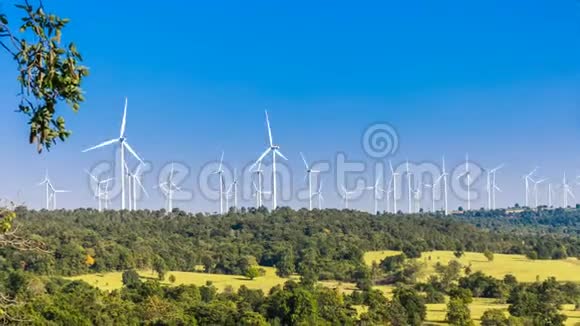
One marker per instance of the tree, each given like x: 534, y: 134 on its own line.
x: 413, y: 303
x: 458, y: 253
x: 494, y: 317
x: 172, y: 279
x: 252, y: 272
x: 458, y: 313
x: 49, y: 73
x: 489, y: 255
x: 131, y: 279
x: 160, y: 268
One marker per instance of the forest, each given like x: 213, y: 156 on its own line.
x: 315, y: 245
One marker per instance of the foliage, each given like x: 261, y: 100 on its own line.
x: 49, y: 72
x: 458, y: 313
x: 494, y: 317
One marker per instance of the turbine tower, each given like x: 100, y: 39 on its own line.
x: 566, y: 191
x: 444, y: 177
x: 134, y: 181
x: 99, y: 188
x: 258, y: 193
x: 48, y: 186
x: 491, y: 186
x: 467, y: 175
x: 527, y: 178
x: 346, y: 196
x: 259, y: 172
x: 318, y: 194
x: 394, y: 180
x: 275, y: 150
x: 410, y: 190
x: 123, y: 144
x: 169, y: 187
x: 376, y: 191
x: 309, y: 172
x: 536, y: 184
x: 220, y: 173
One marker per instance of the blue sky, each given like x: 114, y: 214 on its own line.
x: 498, y: 80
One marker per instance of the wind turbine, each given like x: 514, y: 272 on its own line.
x: 53, y: 195
x: 536, y: 183
x: 417, y: 196
x: 550, y: 192
x: 432, y: 187
x: 527, y: 179
x: 99, y: 188
x: 258, y: 192
x: 491, y: 186
x: 232, y: 188
x: 169, y: 188
x: 309, y: 172
x: 467, y: 174
x: 259, y: 172
x: 394, y: 180
x: 123, y: 144
x: 376, y: 190
x: 318, y: 194
x: 566, y: 191
x: 410, y: 190
x: 134, y: 181
x: 220, y: 173
x: 48, y: 185
x: 275, y: 150
x: 444, y: 176
x: 346, y: 196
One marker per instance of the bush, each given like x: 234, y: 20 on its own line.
x: 172, y: 279
x: 494, y: 317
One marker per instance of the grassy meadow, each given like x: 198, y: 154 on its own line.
x: 524, y: 269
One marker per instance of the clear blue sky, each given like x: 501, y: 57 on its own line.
x: 494, y: 78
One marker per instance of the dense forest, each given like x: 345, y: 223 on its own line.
x: 329, y: 242
x: 316, y: 245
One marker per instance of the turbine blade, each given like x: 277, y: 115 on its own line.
x: 262, y: 156
x: 280, y: 154
x: 269, y: 129
x: 304, y: 160
x: 124, y: 122
x: 141, y: 186
x: 130, y: 149
x: 105, y: 143
x: 92, y: 176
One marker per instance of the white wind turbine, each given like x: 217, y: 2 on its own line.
x: 376, y: 193
x: 99, y: 188
x: 259, y: 172
x: 169, y: 187
x: 346, y: 196
x: 123, y: 144
x: 309, y: 172
x: 444, y: 176
x: 134, y: 181
x: 54, y: 192
x: 536, y: 184
x: 491, y: 186
x: 432, y: 187
x: 410, y: 190
x: 527, y: 178
x: 220, y: 173
x: 233, y: 188
x: 394, y: 181
x: 318, y: 194
x: 566, y: 191
x: 417, y: 193
x: 258, y: 193
x: 387, y: 193
x: 550, y: 194
x: 48, y: 186
x: 467, y: 175
x: 275, y: 150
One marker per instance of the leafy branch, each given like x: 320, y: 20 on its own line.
x: 49, y: 73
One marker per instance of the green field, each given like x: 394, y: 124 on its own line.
x: 524, y: 269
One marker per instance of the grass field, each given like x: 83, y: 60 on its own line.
x: 524, y: 269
